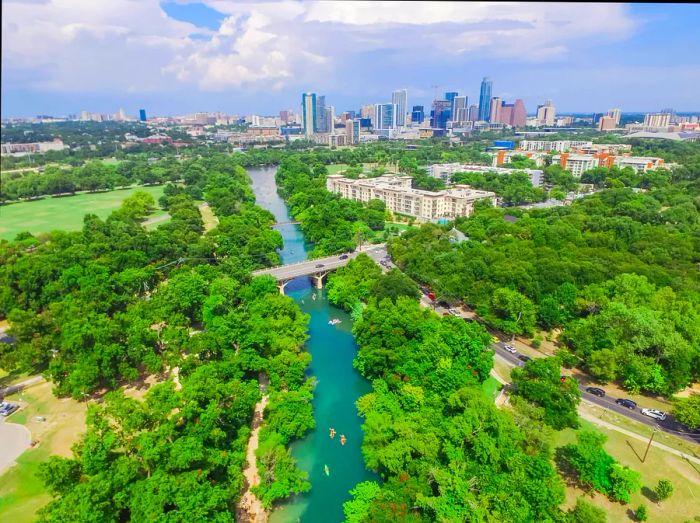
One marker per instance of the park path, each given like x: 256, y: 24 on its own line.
x: 11, y: 389
x: 208, y: 217
x: 15, y: 440
x: 250, y: 509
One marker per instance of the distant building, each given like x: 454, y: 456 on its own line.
x: 546, y: 113
x: 445, y: 171
x: 485, y: 99
x: 385, y: 116
x: 556, y: 145
x: 308, y: 113
x: 142, y: 115
x: 616, y: 115
x: 417, y: 114
x: 518, y: 115
x: 607, y: 123
x: 321, y: 116
x: 577, y: 164
x: 20, y: 149
x: 460, y: 109
x: 495, y: 115
x: 658, y: 120
x: 397, y: 194
x: 440, y: 114
x: 400, y: 99
x: 352, y: 131
x: 473, y: 113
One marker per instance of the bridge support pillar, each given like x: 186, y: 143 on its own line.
x: 318, y: 279
x: 281, y: 285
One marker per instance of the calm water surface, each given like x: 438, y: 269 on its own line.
x: 338, y: 385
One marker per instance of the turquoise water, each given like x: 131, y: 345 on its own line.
x: 338, y: 385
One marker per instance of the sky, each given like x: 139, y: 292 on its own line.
x: 176, y: 57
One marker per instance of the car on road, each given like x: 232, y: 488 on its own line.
x: 495, y: 339
x: 653, y: 413
x: 596, y: 391
x: 522, y: 357
x: 319, y: 265
x: 510, y: 349
x: 343, y: 257
x: 627, y: 403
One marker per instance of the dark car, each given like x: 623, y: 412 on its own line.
x: 596, y: 391
x: 522, y: 357
x: 319, y: 265
x: 626, y: 403
x: 343, y: 257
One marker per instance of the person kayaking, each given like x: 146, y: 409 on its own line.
x: 327, y: 470
x: 332, y: 433
x: 343, y: 439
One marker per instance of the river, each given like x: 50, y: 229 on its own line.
x: 338, y: 385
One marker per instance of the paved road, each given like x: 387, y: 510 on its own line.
x: 310, y: 267
x: 669, y: 425
x: 15, y: 440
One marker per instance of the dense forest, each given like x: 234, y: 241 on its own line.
x: 107, y: 305
x: 616, y: 271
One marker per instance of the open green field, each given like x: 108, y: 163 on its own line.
x: 683, y: 505
x: 65, y: 213
x: 336, y: 167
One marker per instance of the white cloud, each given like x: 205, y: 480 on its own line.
x: 92, y: 45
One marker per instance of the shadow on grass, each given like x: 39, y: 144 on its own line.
x: 650, y: 494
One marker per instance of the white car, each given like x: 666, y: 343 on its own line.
x: 510, y: 349
x: 653, y: 413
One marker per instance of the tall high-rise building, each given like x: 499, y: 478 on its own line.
x: 385, y: 116
x: 460, y: 109
x: 473, y: 113
x: 142, y: 115
x: 485, y: 99
x: 330, y: 119
x: 615, y: 114
x: 418, y: 114
x: 440, y: 114
x: 657, y: 120
x: 352, y: 131
x: 506, y: 115
x: 308, y: 113
x: 546, y: 114
x: 367, y: 111
x: 495, y: 114
x: 400, y: 99
x: 606, y: 123
x: 320, y: 126
x: 518, y: 116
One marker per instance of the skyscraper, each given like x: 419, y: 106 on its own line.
x: 485, y: 99
x: 330, y: 119
x: 418, y: 114
x: 546, y: 114
x: 518, y: 116
x: 385, y: 116
x: 615, y: 114
x: 320, y: 125
x: 308, y: 113
x: 495, y: 114
x: 440, y: 114
x: 460, y: 111
x: 473, y: 113
x: 400, y: 100
x: 142, y: 115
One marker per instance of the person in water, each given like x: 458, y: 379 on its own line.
x: 343, y: 439
x: 332, y: 433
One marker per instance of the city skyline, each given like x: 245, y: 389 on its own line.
x: 215, y: 55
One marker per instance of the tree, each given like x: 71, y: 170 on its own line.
x: 687, y: 410
x: 641, y: 514
x: 394, y: 284
x: 357, y: 509
x: 664, y: 489
x: 625, y: 482
x: 513, y: 312
x: 539, y: 382
x: 586, y: 512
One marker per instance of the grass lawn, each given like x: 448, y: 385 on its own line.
x: 491, y: 387
x: 336, y: 167
x: 65, y: 212
x: 21, y: 491
x: 683, y: 505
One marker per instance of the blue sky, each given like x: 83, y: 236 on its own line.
x: 178, y: 56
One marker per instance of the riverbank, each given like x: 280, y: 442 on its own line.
x: 338, y: 385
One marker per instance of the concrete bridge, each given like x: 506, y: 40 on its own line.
x: 319, y: 268
x: 291, y: 222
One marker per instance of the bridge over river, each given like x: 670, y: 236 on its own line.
x: 319, y: 268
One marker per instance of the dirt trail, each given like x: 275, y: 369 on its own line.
x: 250, y: 509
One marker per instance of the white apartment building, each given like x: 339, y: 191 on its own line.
x: 577, y: 164
x: 639, y: 163
x: 397, y: 194
x: 657, y: 120
x: 556, y: 145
